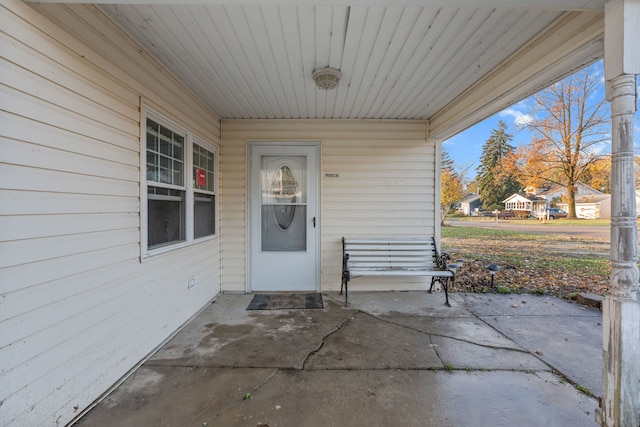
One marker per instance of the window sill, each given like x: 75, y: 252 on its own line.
x: 175, y: 247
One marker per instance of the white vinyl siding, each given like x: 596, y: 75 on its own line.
x: 79, y: 308
x: 377, y: 179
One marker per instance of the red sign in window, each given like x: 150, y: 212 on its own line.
x: 201, y: 179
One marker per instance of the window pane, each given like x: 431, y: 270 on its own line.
x: 152, y: 135
x: 204, y: 215
x: 166, y: 219
x: 178, y: 144
x: 203, y: 173
x: 165, y: 154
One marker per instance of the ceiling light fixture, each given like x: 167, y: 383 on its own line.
x: 326, y: 78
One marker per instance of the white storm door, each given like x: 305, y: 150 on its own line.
x: 283, y: 218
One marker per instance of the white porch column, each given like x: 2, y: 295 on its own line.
x: 620, y: 403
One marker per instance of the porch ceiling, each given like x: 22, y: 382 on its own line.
x: 447, y: 62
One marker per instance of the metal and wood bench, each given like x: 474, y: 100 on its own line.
x: 394, y: 257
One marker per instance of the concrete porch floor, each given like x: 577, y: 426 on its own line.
x: 391, y: 359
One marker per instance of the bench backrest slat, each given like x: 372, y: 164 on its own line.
x: 392, y: 253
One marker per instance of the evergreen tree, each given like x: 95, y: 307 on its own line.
x: 446, y: 162
x: 494, y: 183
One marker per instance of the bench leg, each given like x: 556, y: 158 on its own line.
x: 345, y: 285
x: 446, y: 291
x: 346, y: 293
x: 445, y: 283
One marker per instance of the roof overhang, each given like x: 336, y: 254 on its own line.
x: 450, y: 62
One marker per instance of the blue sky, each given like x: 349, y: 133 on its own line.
x: 466, y: 148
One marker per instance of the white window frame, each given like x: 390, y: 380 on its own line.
x: 148, y: 112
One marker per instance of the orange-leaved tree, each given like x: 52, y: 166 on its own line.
x: 568, y: 132
x: 451, y: 188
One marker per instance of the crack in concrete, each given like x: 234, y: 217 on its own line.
x: 229, y: 407
x: 349, y: 318
x: 341, y: 325
x: 411, y: 328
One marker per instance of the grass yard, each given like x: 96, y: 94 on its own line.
x: 559, y: 222
x: 529, y: 263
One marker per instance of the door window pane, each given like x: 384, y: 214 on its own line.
x: 275, y: 238
x: 283, y: 203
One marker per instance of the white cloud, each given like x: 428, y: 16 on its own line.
x: 450, y: 141
x: 520, y: 118
x: 600, y: 148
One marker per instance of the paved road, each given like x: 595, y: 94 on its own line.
x: 599, y: 232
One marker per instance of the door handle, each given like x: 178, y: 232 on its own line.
x: 314, y: 222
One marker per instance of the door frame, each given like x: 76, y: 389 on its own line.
x: 316, y: 144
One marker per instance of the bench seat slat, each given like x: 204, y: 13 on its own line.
x: 401, y: 272
x: 413, y: 252
x: 390, y: 259
x: 373, y: 263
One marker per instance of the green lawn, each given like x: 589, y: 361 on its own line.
x: 564, y: 221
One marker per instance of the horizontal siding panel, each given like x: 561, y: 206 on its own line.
x: 364, y: 213
x: 14, y: 177
x: 41, y: 134
x: 38, y: 48
x: 43, y: 158
x: 43, y: 203
x: 37, y: 226
x: 60, y: 97
x: 347, y: 198
x: 43, y: 272
x: 386, y: 191
x: 18, y: 252
x: 364, y: 171
x: 90, y: 291
x: 38, y: 110
x: 390, y: 225
x: 114, y: 99
x: 28, y: 337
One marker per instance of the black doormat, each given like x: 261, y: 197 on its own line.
x: 286, y: 301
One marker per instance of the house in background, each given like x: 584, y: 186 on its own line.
x: 155, y: 155
x: 590, y: 203
x: 555, y: 193
x: 591, y: 207
x: 470, y: 203
x: 525, y: 205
